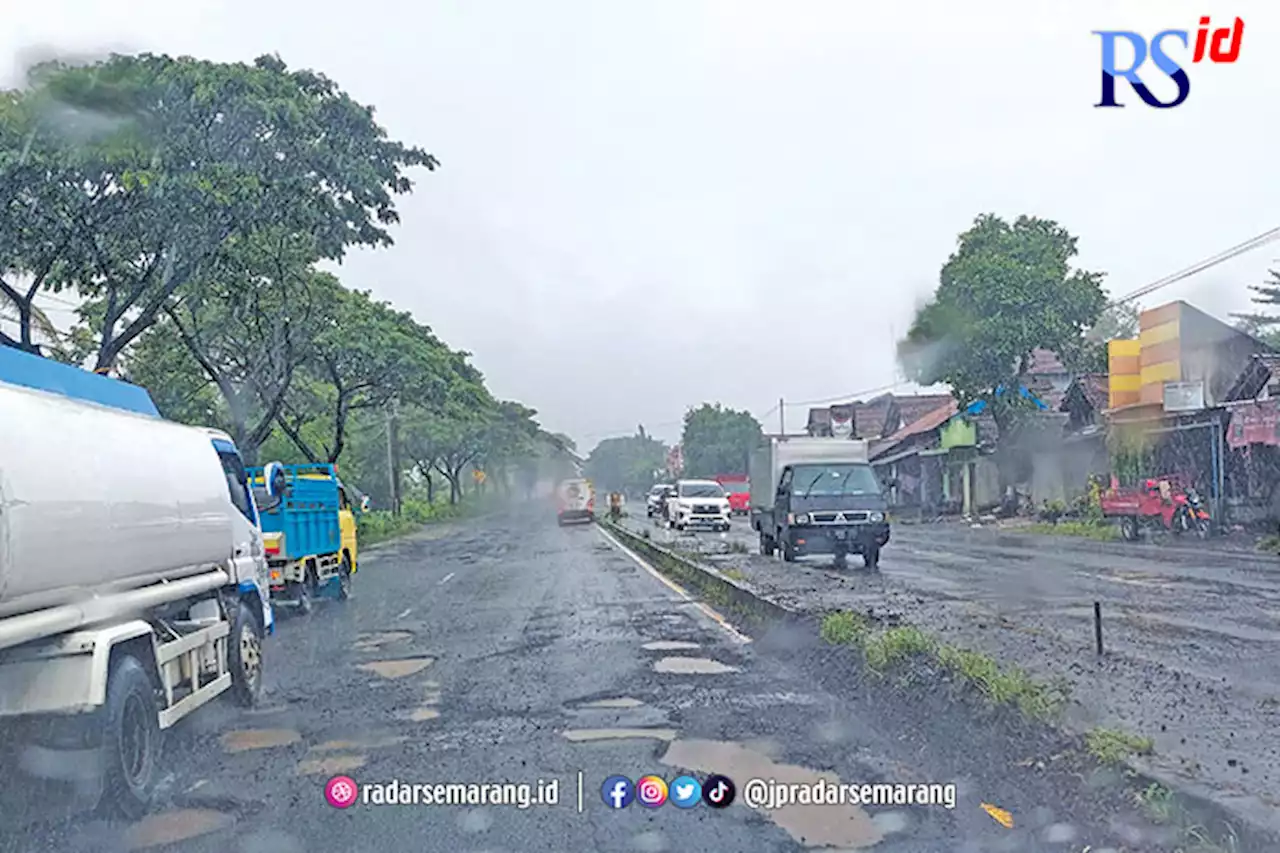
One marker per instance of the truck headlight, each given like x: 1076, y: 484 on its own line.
x: 876, y: 516
x: 803, y: 518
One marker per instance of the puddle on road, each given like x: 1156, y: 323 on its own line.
x: 669, y: 646
x: 419, y: 715
x: 249, y: 739
x: 620, y: 702
x: 846, y: 827
x: 331, y: 766
x: 375, y: 641
x: 171, y: 827
x: 588, y: 735
x: 693, y: 666
x: 397, y: 668
x: 358, y: 744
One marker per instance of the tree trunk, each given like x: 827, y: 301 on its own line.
x: 431, y: 488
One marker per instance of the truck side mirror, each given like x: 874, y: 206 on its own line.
x: 274, y: 479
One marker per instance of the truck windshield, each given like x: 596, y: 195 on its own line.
x: 701, y: 490
x: 837, y: 479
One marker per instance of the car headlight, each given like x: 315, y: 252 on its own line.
x: 876, y: 516
x: 803, y: 518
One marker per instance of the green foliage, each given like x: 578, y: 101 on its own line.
x: 1111, y: 746
x: 1119, y: 321
x: 1007, y: 290
x: 1264, y: 325
x: 187, y: 204
x: 718, y: 440
x: 154, y: 164
x: 626, y: 464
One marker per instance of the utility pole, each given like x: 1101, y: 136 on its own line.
x: 393, y: 468
x: 782, y: 417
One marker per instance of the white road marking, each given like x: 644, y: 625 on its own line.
x: 679, y: 590
x: 406, y: 613
x: 444, y: 580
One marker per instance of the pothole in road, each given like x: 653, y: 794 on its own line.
x: 847, y: 827
x: 250, y: 739
x: 419, y: 715
x: 173, y: 826
x: 620, y: 702
x: 397, y: 668
x: 373, y: 641
x: 692, y: 666
x: 589, y: 735
x: 669, y: 646
x: 331, y: 765
x: 358, y: 744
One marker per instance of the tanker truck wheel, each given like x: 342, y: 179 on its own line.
x: 245, y: 656
x: 130, y: 740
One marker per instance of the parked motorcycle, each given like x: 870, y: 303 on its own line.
x: 1191, y: 516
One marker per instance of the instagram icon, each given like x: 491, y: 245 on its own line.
x: 651, y: 791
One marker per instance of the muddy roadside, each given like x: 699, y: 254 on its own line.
x: 1189, y: 644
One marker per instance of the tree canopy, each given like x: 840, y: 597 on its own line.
x: 718, y: 440
x: 186, y: 207
x: 1008, y: 289
x: 626, y: 463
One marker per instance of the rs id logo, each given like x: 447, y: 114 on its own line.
x: 1221, y: 45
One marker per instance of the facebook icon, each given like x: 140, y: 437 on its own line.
x: 617, y: 792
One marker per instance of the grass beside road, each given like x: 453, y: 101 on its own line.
x: 885, y: 648
x: 1084, y: 529
x: 381, y: 525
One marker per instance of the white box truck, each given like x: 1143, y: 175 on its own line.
x: 133, y: 583
x: 813, y: 496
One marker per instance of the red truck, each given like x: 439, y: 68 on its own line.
x: 738, y: 488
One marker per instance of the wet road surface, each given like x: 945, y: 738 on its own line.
x: 1192, y: 635
x: 507, y: 651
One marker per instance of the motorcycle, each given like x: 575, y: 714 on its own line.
x: 1191, y: 516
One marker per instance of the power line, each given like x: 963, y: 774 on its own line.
x: 1212, y: 261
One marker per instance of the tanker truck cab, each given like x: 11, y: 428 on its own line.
x: 248, y: 553
x: 132, y: 583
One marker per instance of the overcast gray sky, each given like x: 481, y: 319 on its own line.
x: 645, y: 205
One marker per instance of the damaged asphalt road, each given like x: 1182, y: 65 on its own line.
x: 506, y: 649
x: 1190, y: 634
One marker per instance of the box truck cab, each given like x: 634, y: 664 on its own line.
x: 812, y: 496
x: 133, y: 586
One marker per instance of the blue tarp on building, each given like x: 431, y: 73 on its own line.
x: 979, y: 406
x: 32, y: 371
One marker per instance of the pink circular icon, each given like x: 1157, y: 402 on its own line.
x: 340, y: 791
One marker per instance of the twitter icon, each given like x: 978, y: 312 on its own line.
x: 685, y: 792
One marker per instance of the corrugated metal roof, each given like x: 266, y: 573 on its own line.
x: 928, y: 422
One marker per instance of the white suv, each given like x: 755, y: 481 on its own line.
x: 698, y: 503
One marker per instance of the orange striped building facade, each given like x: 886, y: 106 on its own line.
x: 1140, y: 368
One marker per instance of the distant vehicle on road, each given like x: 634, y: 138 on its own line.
x: 818, y: 496
x: 576, y: 501
x: 655, y: 501
x: 698, y: 503
x: 738, y: 487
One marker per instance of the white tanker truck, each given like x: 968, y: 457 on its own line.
x: 133, y: 582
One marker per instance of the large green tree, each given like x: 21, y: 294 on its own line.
x: 718, y: 440
x: 1008, y: 289
x: 364, y: 355
x: 626, y: 463
x: 177, y: 157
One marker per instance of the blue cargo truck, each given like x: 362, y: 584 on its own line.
x: 309, y: 535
